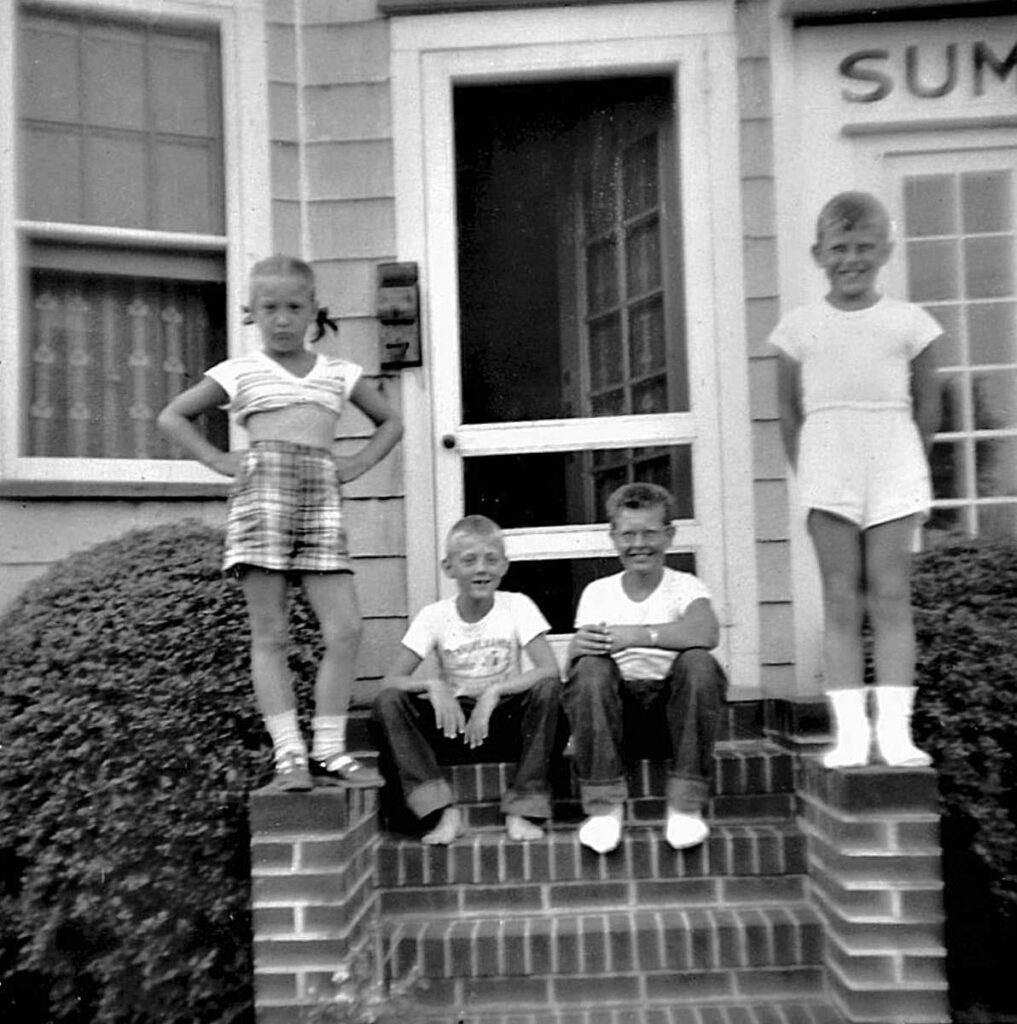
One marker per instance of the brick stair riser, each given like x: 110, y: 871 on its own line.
x: 662, y: 989
x: 616, y: 943
x: 491, y: 858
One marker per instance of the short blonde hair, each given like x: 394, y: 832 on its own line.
x: 848, y: 210
x: 477, y: 526
x: 638, y: 496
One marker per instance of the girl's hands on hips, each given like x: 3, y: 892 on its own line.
x: 350, y: 467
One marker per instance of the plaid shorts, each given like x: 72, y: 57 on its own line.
x: 285, y: 511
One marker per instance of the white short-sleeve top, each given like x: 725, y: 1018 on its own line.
x: 856, y: 358
x: 605, y: 601
x: 257, y: 383
x: 473, y: 655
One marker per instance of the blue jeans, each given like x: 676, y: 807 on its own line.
x: 523, y: 726
x: 688, y: 699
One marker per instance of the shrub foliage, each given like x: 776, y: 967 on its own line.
x: 130, y: 741
x: 965, y: 598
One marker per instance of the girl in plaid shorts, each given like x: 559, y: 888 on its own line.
x: 285, y: 510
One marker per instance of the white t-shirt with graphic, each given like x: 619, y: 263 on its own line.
x: 473, y: 655
x: 605, y: 600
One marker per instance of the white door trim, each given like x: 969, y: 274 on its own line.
x: 694, y: 42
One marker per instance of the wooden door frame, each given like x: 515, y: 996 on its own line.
x: 694, y: 43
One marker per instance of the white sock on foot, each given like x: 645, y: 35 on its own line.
x: 684, y: 829
x: 602, y: 832
x: 852, y: 731
x: 286, y: 736
x: 893, y: 728
x: 329, y: 735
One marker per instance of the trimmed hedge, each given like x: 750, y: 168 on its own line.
x: 965, y: 597
x: 130, y: 741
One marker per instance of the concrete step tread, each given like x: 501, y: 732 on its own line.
x: 796, y: 1012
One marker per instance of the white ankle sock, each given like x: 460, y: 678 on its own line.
x: 286, y: 736
x: 602, y: 832
x: 684, y: 829
x: 893, y: 728
x: 329, y: 735
x: 851, y: 729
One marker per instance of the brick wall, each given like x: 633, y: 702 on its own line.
x: 875, y: 880
x: 312, y: 892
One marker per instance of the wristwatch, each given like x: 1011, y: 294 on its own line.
x: 654, y: 636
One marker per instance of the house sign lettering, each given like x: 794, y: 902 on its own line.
x: 926, y: 72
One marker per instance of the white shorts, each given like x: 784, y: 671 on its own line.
x: 865, y: 465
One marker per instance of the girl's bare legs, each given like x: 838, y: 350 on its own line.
x: 265, y: 593
x: 839, y: 548
x: 888, y: 595
x: 333, y: 598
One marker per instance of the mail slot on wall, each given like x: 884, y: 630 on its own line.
x: 398, y: 312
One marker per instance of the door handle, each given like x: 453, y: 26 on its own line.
x: 448, y: 441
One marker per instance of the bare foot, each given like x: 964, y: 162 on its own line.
x: 520, y: 828
x: 449, y: 826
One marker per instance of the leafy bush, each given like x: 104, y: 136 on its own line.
x: 130, y: 741
x: 965, y: 598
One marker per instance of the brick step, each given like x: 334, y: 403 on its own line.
x: 797, y: 1012
x: 490, y: 858
x: 555, y: 949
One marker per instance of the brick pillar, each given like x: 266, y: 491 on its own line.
x: 312, y: 892
x: 875, y: 878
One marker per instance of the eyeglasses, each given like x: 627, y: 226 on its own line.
x: 629, y: 537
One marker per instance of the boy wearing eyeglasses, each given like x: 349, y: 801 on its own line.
x: 643, y: 639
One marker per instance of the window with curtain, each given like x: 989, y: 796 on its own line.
x: 121, y: 214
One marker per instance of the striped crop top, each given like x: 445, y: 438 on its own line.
x: 257, y: 383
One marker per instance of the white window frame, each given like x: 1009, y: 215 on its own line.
x: 430, y: 54
x: 241, y: 28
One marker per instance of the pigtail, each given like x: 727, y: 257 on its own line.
x: 322, y: 321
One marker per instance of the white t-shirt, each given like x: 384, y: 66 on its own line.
x: 473, y: 655
x: 257, y: 383
x: 855, y: 359
x: 605, y: 600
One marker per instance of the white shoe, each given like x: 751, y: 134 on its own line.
x: 851, y: 728
x: 893, y: 728
x: 602, y: 832
x: 685, y: 830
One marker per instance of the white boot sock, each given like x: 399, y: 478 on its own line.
x: 893, y: 728
x: 602, y: 832
x: 685, y: 829
x: 851, y: 729
x: 286, y: 737
x: 329, y: 736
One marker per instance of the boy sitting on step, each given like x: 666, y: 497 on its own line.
x: 481, y: 700
x: 643, y: 638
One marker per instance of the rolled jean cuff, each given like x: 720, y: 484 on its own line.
x: 600, y: 797
x: 687, y: 795
x: 429, y: 797
x: 526, y: 805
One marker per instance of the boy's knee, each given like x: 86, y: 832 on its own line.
x: 386, y: 701
x: 700, y: 669
x: 546, y: 692
x: 591, y: 671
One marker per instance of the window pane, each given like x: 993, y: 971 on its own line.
x: 113, y: 84
x: 994, y: 396
x: 948, y: 462
x: 555, y: 585
x: 996, y: 466
x: 929, y: 206
x: 186, y: 194
x: 569, y: 488
x: 182, y: 87
x: 953, y: 395
x: 986, y: 201
x: 989, y: 268
x: 997, y: 522
x: 646, y: 330
x: 116, y: 180
x: 650, y: 396
x: 942, y: 525
x: 991, y: 330
x: 49, y: 70
x: 642, y: 255
x: 605, y: 353
x: 948, y: 347
x: 107, y: 352
x: 640, y: 176
x: 932, y: 271
x: 52, y: 173
x: 601, y: 276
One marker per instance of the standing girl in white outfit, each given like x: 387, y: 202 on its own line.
x: 285, y: 510
x: 859, y: 405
